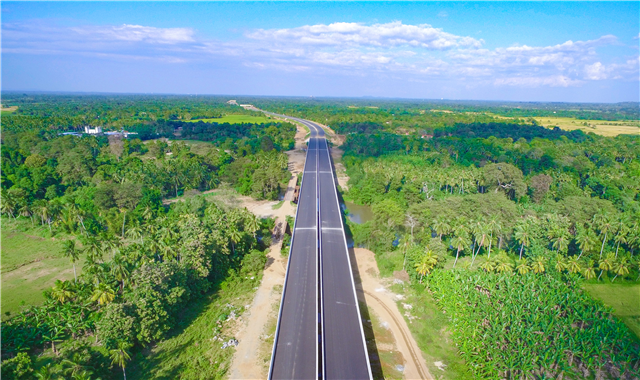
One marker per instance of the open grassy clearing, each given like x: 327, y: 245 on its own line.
x: 31, y: 263
x: 623, y: 298
x: 194, y: 350
x: 235, y: 119
x: 199, y: 147
x: 600, y: 127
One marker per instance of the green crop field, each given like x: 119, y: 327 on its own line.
x: 623, y: 298
x: 235, y: 119
x: 31, y: 263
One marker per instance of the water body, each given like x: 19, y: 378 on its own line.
x: 358, y: 214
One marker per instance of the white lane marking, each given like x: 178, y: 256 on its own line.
x: 331, y: 228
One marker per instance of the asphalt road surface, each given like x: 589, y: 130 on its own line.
x: 319, y: 285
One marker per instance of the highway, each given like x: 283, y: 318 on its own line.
x: 319, y: 333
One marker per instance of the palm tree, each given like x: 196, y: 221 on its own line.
x: 441, y: 227
x: 504, y: 264
x: 585, y: 239
x: 253, y: 225
x: 621, y: 236
x: 560, y: 241
x: 461, y: 241
x: 522, y: 267
x: 489, y: 265
x: 47, y: 372
x: 120, y: 270
x: 523, y: 235
x: 480, y: 232
x: 538, y: 265
x: 588, y: 272
x: 103, y: 294
x: 135, y: 232
x: 494, y: 228
x: 427, y: 262
x: 9, y: 204
x: 234, y: 237
x: 606, y: 263
x: 26, y: 212
x: 93, y: 249
x: 604, y: 223
x: 573, y: 264
x: 62, y: 291
x: 621, y: 268
x: 120, y: 356
x: 560, y: 263
x: 69, y: 250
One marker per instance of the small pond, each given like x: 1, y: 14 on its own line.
x: 358, y: 214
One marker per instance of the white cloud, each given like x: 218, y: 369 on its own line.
x: 413, y: 52
x: 551, y: 81
x: 137, y: 33
x: 387, y: 35
x: 596, y: 71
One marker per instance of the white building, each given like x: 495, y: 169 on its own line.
x: 92, y: 131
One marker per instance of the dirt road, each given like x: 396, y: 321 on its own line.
x: 383, y: 303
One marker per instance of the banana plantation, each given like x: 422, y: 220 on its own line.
x: 533, y: 327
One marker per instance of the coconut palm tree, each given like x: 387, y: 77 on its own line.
x: 504, y: 263
x: 135, y: 232
x: 495, y: 227
x: 573, y: 264
x: 120, y: 270
x: 441, y: 227
x: 523, y: 234
x: 62, y: 291
x: 606, y: 263
x: 461, y: 240
x: 69, y: 250
x: 585, y: 237
x: 621, y: 267
x: 522, y: 267
x: 234, y: 237
x: 103, y: 294
x: 427, y: 262
x: 537, y: 265
x: 93, y: 249
x: 588, y: 272
x: 120, y: 356
x: 604, y: 223
x: 253, y: 225
x: 9, y: 204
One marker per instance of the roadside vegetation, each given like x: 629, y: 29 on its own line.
x: 486, y: 215
x: 121, y: 271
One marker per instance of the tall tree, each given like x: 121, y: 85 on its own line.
x: 69, y: 250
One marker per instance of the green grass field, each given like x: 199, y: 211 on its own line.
x: 623, y: 298
x: 599, y: 127
x: 235, y: 119
x: 31, y: 263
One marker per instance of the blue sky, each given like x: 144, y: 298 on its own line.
x: 526, y: 51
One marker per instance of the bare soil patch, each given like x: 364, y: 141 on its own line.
x: 383, y: 304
